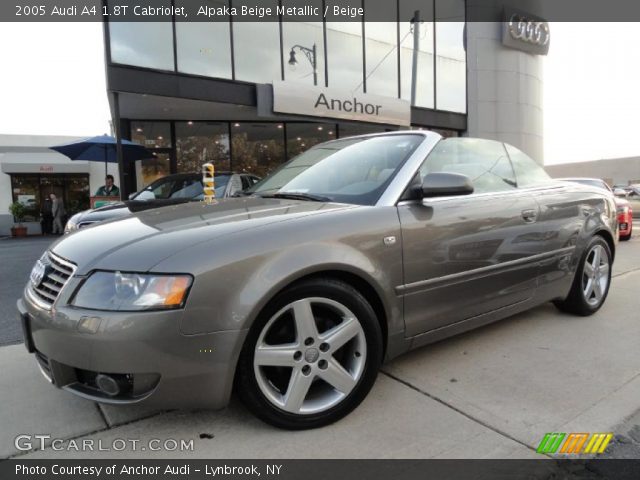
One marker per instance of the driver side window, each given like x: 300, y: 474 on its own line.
x: 485, y: 162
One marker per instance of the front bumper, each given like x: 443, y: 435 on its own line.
x: 145, y: 351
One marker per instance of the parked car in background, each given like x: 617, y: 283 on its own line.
x: 369, y: 247
x: 623, y: 207
x: 633, y: 197
x: 169, y: 190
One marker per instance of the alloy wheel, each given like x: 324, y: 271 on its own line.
x: 310, y: 355
x: 595, y: 275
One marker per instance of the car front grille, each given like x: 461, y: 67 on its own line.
x: 47, y: 292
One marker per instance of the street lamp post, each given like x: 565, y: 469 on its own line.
x: 311, y: 54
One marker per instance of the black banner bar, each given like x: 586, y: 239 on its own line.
x: 306, y: 11
x: 320, y: 469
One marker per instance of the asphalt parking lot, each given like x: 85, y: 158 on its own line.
x: 490, y: 393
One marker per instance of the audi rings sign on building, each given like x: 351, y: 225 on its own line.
x: 525, y: 32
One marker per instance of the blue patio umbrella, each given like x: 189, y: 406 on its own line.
x: 102, y: 149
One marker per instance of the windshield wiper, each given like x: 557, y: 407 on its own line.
x: 298, y: 196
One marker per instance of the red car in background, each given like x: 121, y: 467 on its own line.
x: 623, y: 207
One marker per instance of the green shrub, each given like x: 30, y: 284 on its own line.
x: 18, y: 211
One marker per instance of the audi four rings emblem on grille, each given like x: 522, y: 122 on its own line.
x: 533, y: 32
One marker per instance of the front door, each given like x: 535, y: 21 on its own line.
x: 465, y: 255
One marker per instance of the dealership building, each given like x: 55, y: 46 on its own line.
x: 248, y: 96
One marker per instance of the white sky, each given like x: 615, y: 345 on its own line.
x: 52, y: 83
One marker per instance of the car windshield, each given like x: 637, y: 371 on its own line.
x: 179, y: 187
x: 354, y: 170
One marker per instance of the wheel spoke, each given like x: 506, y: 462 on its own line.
x: 336, y: 376
x: 588, y: 289
x: 597, y: 289
x: 596, y: 257
x: 275, y: 356
x: 588, y: 269
x: 305, y: 323
x: 604, y: 271
x: 341, y: 333
x: 297, y: 390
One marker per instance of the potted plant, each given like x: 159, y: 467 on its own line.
x: 18, y: 211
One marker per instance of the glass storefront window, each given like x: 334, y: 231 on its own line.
x: 304, y: 34
x: 344, y: 52
x: 32, y: 189
x: 26, y: 190
x: 381, y: 50
x: 451, y: 64
x: 150, y: 169
x: 424, y: 72
x: 76, y: 193
x: 201, y: 142
x: 143, y: 44
x: 151, y: 134
x: 203, y: 48
x: 351, y: 129
x: 256, y: 148
x: 256, y: 46
x: 303, y: 136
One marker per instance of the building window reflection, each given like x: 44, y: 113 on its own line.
x: 256, y: 46
x: 451, y: 65
x: 256, y: 148
x: 416, y: 51
x: 303, y: 136
x: 143, y: 44
x: 202, y: 142
x: 156, y: 136
x: 344, y: 52
x: 381, y: 50
x: 151, y: 134
x: 204, y: 48
x: 305, y: 35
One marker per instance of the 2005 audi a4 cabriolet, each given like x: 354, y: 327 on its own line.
x: 354, y: 252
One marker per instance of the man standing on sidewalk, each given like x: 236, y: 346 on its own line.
x: 57, y: 210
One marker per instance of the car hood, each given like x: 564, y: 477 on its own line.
x: 142, y: 240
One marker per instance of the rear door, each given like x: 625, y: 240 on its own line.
x: 463, y: 255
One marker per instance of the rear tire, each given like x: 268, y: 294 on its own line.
x: 592, y: 280
x: 311, y: 356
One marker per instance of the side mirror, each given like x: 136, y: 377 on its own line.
x: 444, y: 184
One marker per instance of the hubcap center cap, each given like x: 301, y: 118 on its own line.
x: 311, y: 355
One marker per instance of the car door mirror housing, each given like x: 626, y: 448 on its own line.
x: 444, y: 184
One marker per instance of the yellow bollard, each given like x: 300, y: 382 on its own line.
x: 208, y: 182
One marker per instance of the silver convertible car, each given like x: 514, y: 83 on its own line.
x: 352, y: 253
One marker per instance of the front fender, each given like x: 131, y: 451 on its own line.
x: 245, y: 273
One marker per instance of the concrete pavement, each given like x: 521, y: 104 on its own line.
x: 490, y: 393
x: 17, y: 257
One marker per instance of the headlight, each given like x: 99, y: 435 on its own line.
x: 132, y: 291
x: 72, y: 224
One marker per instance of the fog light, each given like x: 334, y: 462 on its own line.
x: 107, y: 384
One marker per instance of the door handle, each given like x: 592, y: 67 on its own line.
x: 530, y: 216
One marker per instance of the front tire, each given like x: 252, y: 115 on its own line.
x: 592, y: 280
x: 311, y: 356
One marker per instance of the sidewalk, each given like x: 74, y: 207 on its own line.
x: 491, y: 393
